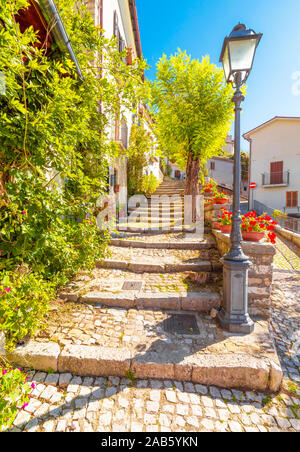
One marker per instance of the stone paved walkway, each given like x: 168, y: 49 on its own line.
x: 69, y: 403
x: 287, y: 256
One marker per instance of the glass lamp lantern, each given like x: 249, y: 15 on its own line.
x: 238, y: 53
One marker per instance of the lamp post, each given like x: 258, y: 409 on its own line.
x: 237, y: 57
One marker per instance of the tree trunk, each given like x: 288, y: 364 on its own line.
x: 192, y: 181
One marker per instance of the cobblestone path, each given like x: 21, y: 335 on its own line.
x: 287, y: 256
x: 67, y: 403
x: 64, y: 402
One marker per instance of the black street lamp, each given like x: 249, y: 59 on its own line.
x: 237, y: 57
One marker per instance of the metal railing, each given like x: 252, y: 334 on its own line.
x: 280, y: 178
x: 290, y: 223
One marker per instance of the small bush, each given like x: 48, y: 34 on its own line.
x: 14, y: 393
x: 24, y: 299
x: 149, y: 184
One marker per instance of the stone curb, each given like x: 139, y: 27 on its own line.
x: 188, y: 301
x: 145, y: 267
x: 163, y: 245
x: 176, y: 229
x: 229, y: 370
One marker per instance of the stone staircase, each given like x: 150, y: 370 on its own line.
x: 158, y: 216
x: 144, y: 312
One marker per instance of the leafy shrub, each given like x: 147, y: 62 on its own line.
x: 138, y: 156
x: 14, y: 393
x: 54, y: 152
x: 149, y: 184
x: 24, y: 300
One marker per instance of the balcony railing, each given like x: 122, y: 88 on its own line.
x: 273, y: 179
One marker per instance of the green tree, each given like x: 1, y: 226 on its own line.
x: 193, y: 110
x: 139, y: 151
x: 245, y: 161
x: 54, y: 138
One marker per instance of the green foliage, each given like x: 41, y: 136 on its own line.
x: 149, y: 184
x: 24, y: 300
x: 166, y: 168
x: 245, y: 162
x: 54, y: 142
x: 14, y: 394
x: 55, y: 149
x: 193, y: 108
x: 138, y: 158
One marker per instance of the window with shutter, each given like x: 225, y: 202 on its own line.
x: 212, y: 166
x: 276, y: 173
x: 291, y: 199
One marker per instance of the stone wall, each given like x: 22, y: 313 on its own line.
x: 291, y: 236
x: 261, y: 271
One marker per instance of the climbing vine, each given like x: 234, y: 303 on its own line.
x: 55, y: 143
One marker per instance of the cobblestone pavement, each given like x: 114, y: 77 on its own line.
x: 161, y: 256
x: 112, y: 280
x: 165, y: 238
x: 69, y: 403
x: 287, y: 256
x: 145, y: 332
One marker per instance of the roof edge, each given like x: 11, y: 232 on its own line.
x: 247, y: 135
x: 135, y: 26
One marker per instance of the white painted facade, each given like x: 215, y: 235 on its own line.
x: 221, y: 170
x: 177, y: 173
x: 106, y: 14
x: 277, y: 140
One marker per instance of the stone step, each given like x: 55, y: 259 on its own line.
x: 159, y: 229
x: 160, y: 260
x: 150, y: 267
x: 151, y: 345
x: 202, y: 301
x: 185, y: 244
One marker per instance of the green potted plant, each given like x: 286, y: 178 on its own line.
x: 254, y: 227
x: 226, y: 222
x: 220, y: 198
x: 218, y: 223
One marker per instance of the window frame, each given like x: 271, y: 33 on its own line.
x: 292, y: 198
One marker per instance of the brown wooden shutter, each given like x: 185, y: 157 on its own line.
x: 291, y: 199
x: 276, y: 173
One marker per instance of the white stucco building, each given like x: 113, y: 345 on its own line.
x: 221, y: 170
x: 119, y: 18
x: 275, y: 164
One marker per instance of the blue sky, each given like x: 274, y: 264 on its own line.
x: 199, y: 27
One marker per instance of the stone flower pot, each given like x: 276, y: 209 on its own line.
x: 253, y: 236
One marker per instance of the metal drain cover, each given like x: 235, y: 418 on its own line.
x: 181, y: 324
x: 132, y: 285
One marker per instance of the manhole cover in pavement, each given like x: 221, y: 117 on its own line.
x: 132, y: 285
x: 181, y: 324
